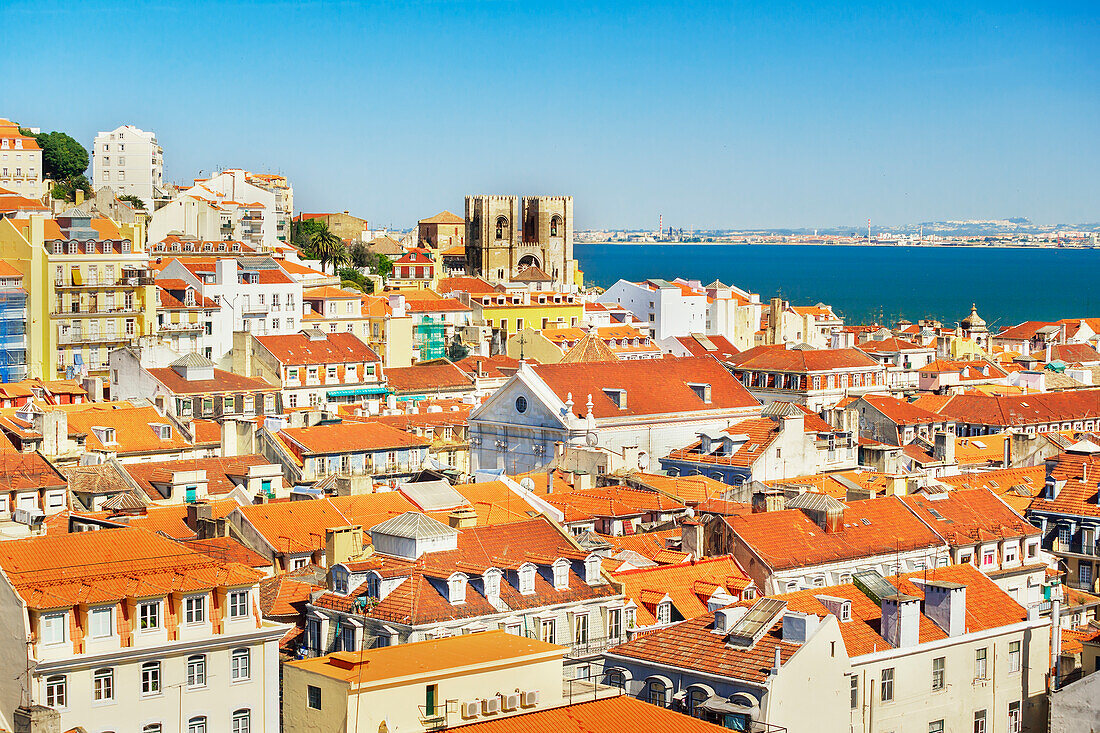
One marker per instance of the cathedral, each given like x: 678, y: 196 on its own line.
x: 506, y: 235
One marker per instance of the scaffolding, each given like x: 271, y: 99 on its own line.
x: 13, y: 335
x: 431, y: 338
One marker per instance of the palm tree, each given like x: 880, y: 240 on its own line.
x: 325, y: 245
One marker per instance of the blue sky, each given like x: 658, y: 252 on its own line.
x: 725, y: 114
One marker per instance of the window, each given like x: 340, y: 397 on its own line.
x: 150, y: 678
x: 979, y: 664
x: 1084, y: 574
x: 238, y: 604
x: 197, y: 724
x: 152, y: 728
x: 936, y: 726
x: 240, y: 665
x: 938, y: 673
x: 886, y: 690
x: 56, y: 688
x: 580, y: 629
x: 347, y: 638
x: 1014, y: 717
x: 331, y: 376
x: 854, y: 692
x: 614, y: 623
x: 1010, y: 554
x: 546, y: 630
x: 242, y: 721
x: 664, y: 612
x: 196, y: 670
x: 103, y: 685
x: 1013, y: 656
x: 313, y: 697
x: 989, y: 556
x: 616, y: 678
x: 195, y: 609
x: 979, y: 721
x: 52, y: 627
x: 99, y: 621
x: 655, y: 692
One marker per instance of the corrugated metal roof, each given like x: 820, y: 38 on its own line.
x: 815, y: 501
x: 434, y: 495
x: 413, y: 525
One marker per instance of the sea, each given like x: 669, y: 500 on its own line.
x: 876, y: 284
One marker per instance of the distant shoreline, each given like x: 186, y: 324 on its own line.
x: 930, y: 245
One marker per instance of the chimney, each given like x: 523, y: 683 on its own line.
x: 945, y: 604
x: 944, y: 450
x: 834, y: 520
x: 798, y: 628
x: 1006, y: 459
x: 691, y: 538
x: 343, y: 544
x: 79, y: 196
x: 36, y: 718
x: 777, y: 661
x: 463, y: 518
x: 582, y: 481
x: 197, y: 511
x: 769, y: 501
x: 900, y: 622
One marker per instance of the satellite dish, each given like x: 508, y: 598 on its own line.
x: 643, y: 460
x: 528, y: 483
x: 591, y: 439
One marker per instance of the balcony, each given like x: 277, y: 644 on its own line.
x: 594, y: 645
x: 87, y: 338
x: 180, y: 327
x: 91, y: 312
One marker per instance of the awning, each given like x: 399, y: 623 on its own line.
x: 356, y: 391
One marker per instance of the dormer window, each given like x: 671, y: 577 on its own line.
x: 527, y: 579
x: 374, y: 586
x: 664, y: 612
x: 592, y: 569
x: 846, y: 611
x: 456, y: 589
x: 164, y: 432
x: 491, y: 579
x: 617, y: 396
x: 561, y: 574
x: 702, y: 391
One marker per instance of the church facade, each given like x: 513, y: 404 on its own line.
x: 505, y: 235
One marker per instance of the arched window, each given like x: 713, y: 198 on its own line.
x: 696, y: 697
x: 502, y: 224
x: 196, y: 670
x: 56, y: 691
x: 103, y: 685
x: 242, y: 721
x: 152, y: 728
x: 656, y: 692
x: 616, y: 678
x: 197, y: 724
x: 240, y: 665
x: 150, y: 678
x: 555, y: 225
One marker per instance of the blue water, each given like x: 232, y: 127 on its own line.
x: 867, y: 284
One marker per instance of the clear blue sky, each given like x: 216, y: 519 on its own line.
x: 724, y: 114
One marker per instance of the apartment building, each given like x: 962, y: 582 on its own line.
x: 430, y: 580
x: 130, y: 161
x: 903, y: 360
x: 284, y: 199
x: 20, y: 162
x: 937, y: 650
x: 89, y: 290
x: 224, y: 206
x: 442, y: 231
x: 335, y: 310
x: 124, y: 629
x: 671, y: 308
x: 31, y: 488
x: 816, y: 378
x: 312, y: 367
x: 784, y: 442
x: 13, y: 324
x: 253, y: 295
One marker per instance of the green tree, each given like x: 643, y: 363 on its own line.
x: 133, y: 200
x: 456, y: 350
x: 380, y: 264
x: 360, y: 255
x: 66, y: 190
x: 301, y: 234
x: 327, y: 247
x: 63, y: 158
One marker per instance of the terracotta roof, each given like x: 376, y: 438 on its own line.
x: 168, y: 519
x: 759, y: 433
x: 424, y: 305
x: 1015, y: 486
x: 60, y: 571
x: 206, y: 431
x: 1074, y: 353
x: 1031, y: 409
x: 466, y: 285
x: 443, y: 217
x: 426, y: 657
x: 837, y: 483
x: 133, y: 430
x: 717, y: 346
x: 621, y: 714
x: 653, y: 386
x: 1078, y: 496
x: 327, y: 292
x: 901, y: 412
x: 431, y: 377
x: 589, y: 348
x: 609, y: 501
x: 1023, y: 331
x: 789, y: 539
x: 350, y: 437
x: 781, y: 359
x: 688, y: 489
x: 223, y: 381
x: 688, y: 585
x: 532, y: 274
x: 965, y: 517
x: 335, y: 348
x: 28, y: 471
x: 228, y: 549
x: 219, y: 472
x: 490, y: 366
x: 892, y: 346
x: 650, y: 545
x: 285, y: 596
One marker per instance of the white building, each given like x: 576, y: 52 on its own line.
x: 671, y: 309
x: 20, y: 161
x: 224, y: 206
x: 130, y: 161
x: 126, y: 630
x: 654, y: 405
x: 253, y: 295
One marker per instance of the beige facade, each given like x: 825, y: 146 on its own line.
x: 462, y: 679
x: 504, y: 235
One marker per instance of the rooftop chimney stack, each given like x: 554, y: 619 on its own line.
x: 900, y: 624
x: 777, y: 661
x: 945, y: 604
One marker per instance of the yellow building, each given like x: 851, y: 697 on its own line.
x: 508, y: 313
x: 89, y: 289
x: 427, y: 685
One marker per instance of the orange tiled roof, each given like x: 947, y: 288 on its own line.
x: 687, y: 584
x: 489, y: 366
x: 969, y: 516
x: 443, y: 217
x: 335, y: 348
x: 345, y: 437
x: 781, y: 359
x: 219, y: 472
x: 132, y: 426
x: 1078, y: 496
x: 27, y: 471
x: 1032, y: 409
x: 609, y: 501
x: 1016, y: 486
x: 60, y: 571
x: 435, y: 376
x: 168, y: 519
x: 653, y: 386
x: 223, y: 381
x: 901, y: 412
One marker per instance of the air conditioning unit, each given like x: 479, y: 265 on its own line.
x: 490, y: 706
x: 529, y: 698
x: 509, y: 702
x: 469, y: 709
